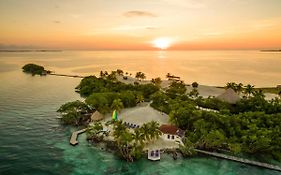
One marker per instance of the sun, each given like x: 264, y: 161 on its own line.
x: 162, y: 43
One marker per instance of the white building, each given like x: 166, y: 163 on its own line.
x: 171, y: 133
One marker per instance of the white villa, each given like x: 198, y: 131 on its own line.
x: 171, y: 133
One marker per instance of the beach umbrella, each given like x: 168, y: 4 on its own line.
x: 114, y: 115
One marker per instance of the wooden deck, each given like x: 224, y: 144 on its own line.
x: 73, y: 140
x: 65, y: 75
x: 241, y: 160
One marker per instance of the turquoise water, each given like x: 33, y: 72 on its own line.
x: 32, y: 141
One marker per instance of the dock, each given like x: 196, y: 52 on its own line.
x: 65, y: 75
x: 241, y: 160
x: 73, y: 140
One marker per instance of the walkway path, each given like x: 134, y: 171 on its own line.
x: 241, y: 160
x: 65, y: 75
x: 73, y: 140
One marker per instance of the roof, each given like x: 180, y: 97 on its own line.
x: 96, y: 116
x: 229, y: 96
x: 170, y: 129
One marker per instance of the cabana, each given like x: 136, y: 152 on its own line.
x: 153, y: 154
x: 96, y: 116
x: 229, y: 96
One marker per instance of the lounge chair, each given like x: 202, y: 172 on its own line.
x: 157, y: 153
x: 152, y: 153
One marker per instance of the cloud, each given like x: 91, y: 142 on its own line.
x: 138, y: 13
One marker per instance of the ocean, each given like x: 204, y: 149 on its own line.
x: 32, y: 140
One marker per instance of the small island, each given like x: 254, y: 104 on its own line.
x: 35, y: 69
x: 134, y: 116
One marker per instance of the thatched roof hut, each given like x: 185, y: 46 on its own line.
x: 97, y: 116
x: 229, y: 96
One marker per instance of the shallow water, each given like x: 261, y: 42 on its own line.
x: 33, y: 142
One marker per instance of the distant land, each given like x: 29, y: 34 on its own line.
x: 271, y: 50
x: 29, y: 50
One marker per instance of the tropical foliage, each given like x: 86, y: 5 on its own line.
x: 74, y: 113
x: 34, y: 69
x: 252, y: 126
x: 131, y: 143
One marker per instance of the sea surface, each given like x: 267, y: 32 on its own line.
x: 32, y: 141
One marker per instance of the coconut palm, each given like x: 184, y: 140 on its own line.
x: 154, y: 130
x: 118, y: 129
x: 231, y: 85
x: 138, y: 136
x: 168, y: 75
x: 239, y: 87
x: 249, y: 89
x: 117, y: 105
x: 195, y: 84
x: 140, y: 76
x: 139, y: 98
x: 145, y: 129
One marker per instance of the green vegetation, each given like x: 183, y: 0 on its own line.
x: 74, y: 113
x: 130, y: 144
x: 35, y: 69
x: 252, y: 126
x: 140, y: 76
x: 94, y: 132
x: 157, y: 81
x: 106, y: 94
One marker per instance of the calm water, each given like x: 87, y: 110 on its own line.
x: 205, y: 67
x: 33, y: 142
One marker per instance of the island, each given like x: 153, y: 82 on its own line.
x: 35, y: 69
x: 134, y: 116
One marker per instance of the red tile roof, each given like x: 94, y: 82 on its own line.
x: 169, y: 129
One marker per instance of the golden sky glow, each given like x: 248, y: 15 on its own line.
x: 137, y: 24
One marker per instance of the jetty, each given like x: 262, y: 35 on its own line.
x: 73, y: 140
x: 241, y: 160
x: 65, y: 75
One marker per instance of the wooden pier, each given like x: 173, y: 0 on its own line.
x: 73, y: 140
x: 65, y: 75
x: 241, y: 160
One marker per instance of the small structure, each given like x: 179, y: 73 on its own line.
x: 229, y: 96
x: 97, y: 116
x: 73, y: 139
x: 153, y: 155
x: 172, y: 133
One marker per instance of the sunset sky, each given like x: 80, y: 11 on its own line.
x: 138, y: 24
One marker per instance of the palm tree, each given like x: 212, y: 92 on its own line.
x: 168, y: 75
x: 239, y: 87
x: 140, y: 76
x: 117, y: 105
x: 138, y: 137
x: 279, y: 93
x: 231, y: 85
x: 259, y: 94
x: 145, y: 129
x: 154, y: 130
x: 195, y: 84
x: 139, y: 98
x: 249, y: 89
x: 157, y: 81
x: 118, y: 129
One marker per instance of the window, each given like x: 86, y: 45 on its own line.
x: 168, y: 136
x: 173, y: 137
